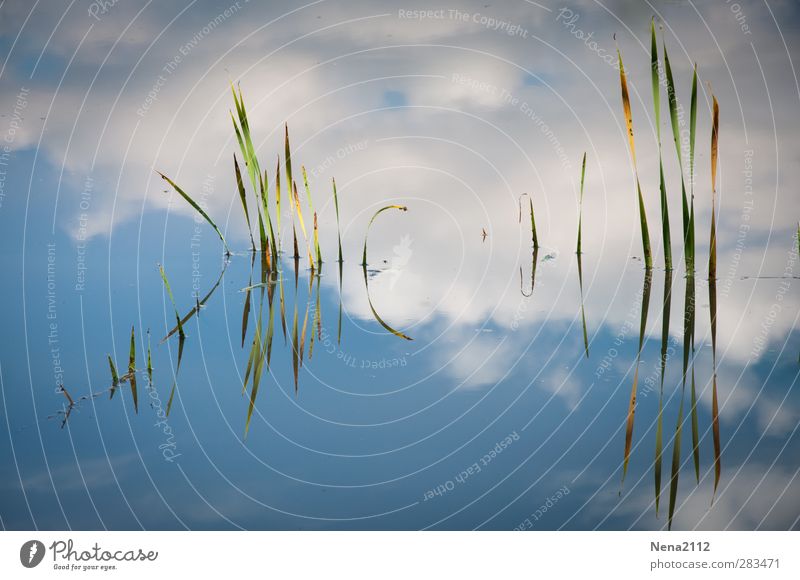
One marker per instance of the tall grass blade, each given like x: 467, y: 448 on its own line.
x: 243, y: 199
x: 265, y: 208
x: 338, y: 227
x: 665, y: 317
x: 712, y: 293
x: 692, y: 134
x: 246, y: 309
x: 688, y: 352
x: 149, y: 361
x: 654, y: 77
x: 534, y: 237
x: 311, y: 210
x: 676, y: 466
x: 534, y: 261
x: 339, y: 325
x: 132, y: 371
x: 580, y: 205
x: 626, y: 106
x: 114, y: 376
x: 171, y: 299
x: 648, y: 280
x: 278, y: 199
x: 302, y: 225
x: 197, y: 208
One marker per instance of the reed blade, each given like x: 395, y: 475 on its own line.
x: 132, y: 371
x: 181, y: 341
x: 197, y: 208
x: 149, y: 361
x: 626, y: 106
x: 114, y: 376
x: 534, y: 261
x: 338, y: 226
x: 712, y: 244
x: 676, y: 466
x: 339, y: 325
x: 688, y: 248
x: 375, y: 314
x: 654, y: 76
x: 712, y: 295
x: 580, y: 204
x: 313, y: 213
x: 665, y: 319
x: 695, y: 432
x: 302, y: 226
x: 243, y: 199
x: 246, y: 312
x: 648, y: 279
x: 179, y: 324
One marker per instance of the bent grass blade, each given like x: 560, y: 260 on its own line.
x: 366, y: 278
x: 197, y: 208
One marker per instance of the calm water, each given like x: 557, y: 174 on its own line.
x: 498, y: 414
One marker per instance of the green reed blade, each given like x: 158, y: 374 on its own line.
x: 338, y: 227
x: 339, y: 325
x: 712, y: 292
x: 181, y: 341
x: 149, y: 361
x: 197, y: 208
x: 375, y: 314
x: 665, y: 319
x: 648, y: 279
x: 676, y: 465
x: 654, y: 78
x: 688, y: 248
x: 132, y: 371
x: 534, y: 261
x: 376, y: 214
x: 114, y: 376
x: 580, y: 204
x: 243, y: 199
x: 302, y: 226
x: 695, y: 431
x: 712, y: 245
x: 265, y: 208
x: 278, y: 198
x: 246, y: 312
x: 171, y: 299
x: 313, y: 213
x: 287, y: 156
